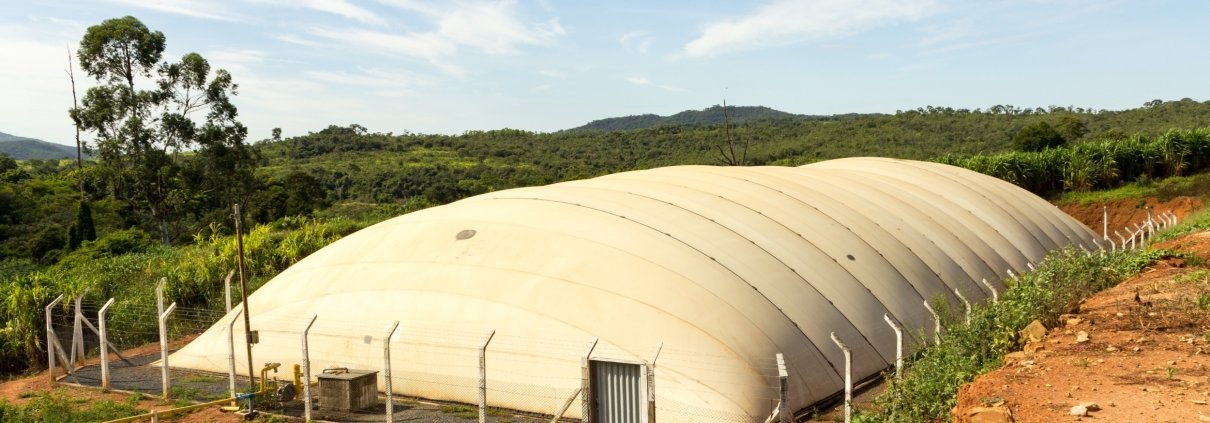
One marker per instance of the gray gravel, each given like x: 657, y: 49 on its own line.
x: 140, y: 375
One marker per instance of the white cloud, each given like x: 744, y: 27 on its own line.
x: 643, y: 81
x: 393, y: 83
x: 344, y: 8
x: 492, y: 27
x: 239, y: 61
x: 341, y: 8
x: 488, y: 27
x: 639, y: 41
x: 294, y: 39
x: 203, y: 10
x: 785, y: 22
x: 428, y: 46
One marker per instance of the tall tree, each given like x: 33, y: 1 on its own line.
x: 141, y: 132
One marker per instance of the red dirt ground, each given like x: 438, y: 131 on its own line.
x: 1128, y: 212
x: 1146, y: 359
x: 16, y: 391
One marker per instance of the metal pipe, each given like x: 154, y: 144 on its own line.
x: 483, y: 378
x: 995, y: 295
x: 306, y: 365
x: 965, y: 303
x: 231, y: 351
x: 386, y: 358
x: 164, y: 374
x: 651, y: 383
x: 50, y: 339
x: 899, y: 343
x: 227, y: 289
x: 936, y: 323
x: 104, y: 340
x: 585, y: 388
x: 1150, y: 223
x: 848, y: 378
x: 77, y: 334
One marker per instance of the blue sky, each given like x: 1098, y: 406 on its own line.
x: 543, y: 65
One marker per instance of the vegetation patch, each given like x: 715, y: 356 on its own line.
x: 58, y: 407
x: 928, y: 388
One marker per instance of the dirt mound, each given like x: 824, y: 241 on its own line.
x: 1142, y: 358
x: 1128, y: 212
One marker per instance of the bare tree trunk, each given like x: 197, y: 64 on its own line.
x: 75, y: 104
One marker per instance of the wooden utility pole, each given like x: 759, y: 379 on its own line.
x: 249, y: 337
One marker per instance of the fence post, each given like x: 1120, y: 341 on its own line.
x: 898, y: 344
x: 164, y: 374
x: 965, y: 303
x: 231, y: 352
x: 585, y: 388
x: 848, y: 378
x: 651, y: 383
x: 104, y: 334
x: 386, y: 359
x: 1150, y: 223
x: 77, y: 334
x: 227, y: 289
x: 995, y: 294
x: 1113, y: 246
x: 1105, y: 222
x: 1121, y: 239
x: 783, y: 391
x: 306, y: 365
x: 936, y: 323
x: 50, y: 340
x: 483, y: 377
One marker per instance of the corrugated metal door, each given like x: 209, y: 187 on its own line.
x: 617, y: 390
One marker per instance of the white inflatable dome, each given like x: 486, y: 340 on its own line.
x: 724, y: 266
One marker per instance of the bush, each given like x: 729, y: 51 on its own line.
x: 113, y: 244
x: 1037, y: 137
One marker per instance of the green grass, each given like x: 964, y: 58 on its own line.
x: 1125, y: 192
x: 201, y: 379
x: 1192, y: 185
x: 58, y: 407
x: 472, y: 413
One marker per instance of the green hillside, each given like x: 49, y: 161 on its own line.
x: 21, y: 148
x: 709, y: 116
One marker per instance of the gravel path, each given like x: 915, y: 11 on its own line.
x: 142, y: 375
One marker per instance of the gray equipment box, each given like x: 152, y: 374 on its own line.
x: 348, y: 390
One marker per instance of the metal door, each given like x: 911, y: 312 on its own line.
x: 618, y: 393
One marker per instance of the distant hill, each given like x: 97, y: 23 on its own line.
x: 22, y: 148
x: 710, y: 116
